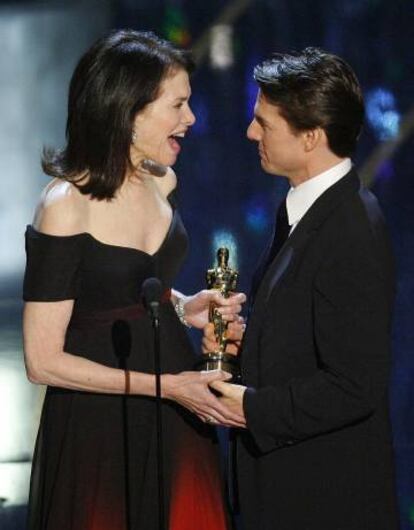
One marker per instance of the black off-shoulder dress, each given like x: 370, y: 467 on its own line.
x: 94, y: 464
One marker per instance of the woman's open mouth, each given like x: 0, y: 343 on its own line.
x: 175, y: 146
x: 175, y: 141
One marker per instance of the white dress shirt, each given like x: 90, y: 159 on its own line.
x: 301, y: 198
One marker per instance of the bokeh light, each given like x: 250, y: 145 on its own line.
x: 257, y: 215
x: 382, y: 113
x: 221, y: 46
x: 175, y: 27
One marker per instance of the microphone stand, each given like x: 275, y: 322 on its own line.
x: 158, y: 402
x: 152, y: 294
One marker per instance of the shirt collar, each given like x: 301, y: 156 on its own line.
x: 301, y: 198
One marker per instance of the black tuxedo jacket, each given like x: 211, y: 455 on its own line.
x: 317, y: 454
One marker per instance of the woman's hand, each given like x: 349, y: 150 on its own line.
x: 234, y: 335
x: 191, y: 390
x: 196, y: 307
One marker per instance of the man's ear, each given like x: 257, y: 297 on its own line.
x: 312, y: 138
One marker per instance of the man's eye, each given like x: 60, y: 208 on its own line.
x: 178, y: 106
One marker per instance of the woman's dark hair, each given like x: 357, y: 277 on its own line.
x: 112, y: 82
x: 315, y: 89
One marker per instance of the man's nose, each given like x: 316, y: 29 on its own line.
x: 252, y: 132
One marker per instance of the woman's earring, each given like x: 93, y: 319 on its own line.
x: 133, y: 137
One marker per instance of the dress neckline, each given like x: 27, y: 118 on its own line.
x: 30, y: 228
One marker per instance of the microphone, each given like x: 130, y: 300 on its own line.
x: 151, y: 293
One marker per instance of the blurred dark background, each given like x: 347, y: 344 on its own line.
x: 225, y: 198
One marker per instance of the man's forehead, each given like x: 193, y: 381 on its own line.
x: 264, y: 107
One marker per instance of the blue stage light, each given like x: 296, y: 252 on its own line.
x: 257, y: 216
x: 386, y: 170
x: 199, y: 106
x: 382, y: 113
x: 251, y: 87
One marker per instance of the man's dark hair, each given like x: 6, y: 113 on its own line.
x: 315, y: 89
x: 115, y: 79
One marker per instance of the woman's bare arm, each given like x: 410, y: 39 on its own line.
x: 44, y: 328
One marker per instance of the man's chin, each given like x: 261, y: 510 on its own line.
x: 263, y: 164
x: 266, y: 166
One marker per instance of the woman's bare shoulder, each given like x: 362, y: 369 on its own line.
x: 62, y: 210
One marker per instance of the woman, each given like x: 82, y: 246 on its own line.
x: 105, y: 224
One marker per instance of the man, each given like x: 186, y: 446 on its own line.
x: 315, y: 358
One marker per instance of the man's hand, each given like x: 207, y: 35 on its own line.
x: 234, y: 335
x: 191, y: 390
x: 231, y: 398
x: 196, y: 307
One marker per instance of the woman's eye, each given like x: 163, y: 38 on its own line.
x: 178, y: 106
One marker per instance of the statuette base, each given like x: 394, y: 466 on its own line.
x: 220, y: 361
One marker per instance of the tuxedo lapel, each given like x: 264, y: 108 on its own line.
x: 280, y: 235
x: 309, y: 225
x: 281, y: 264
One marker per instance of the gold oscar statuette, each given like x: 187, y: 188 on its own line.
x: 223, y: 279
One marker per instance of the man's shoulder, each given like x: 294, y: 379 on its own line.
x: 358, y: 211
x: 363, y: 214
x: 356, y: 232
